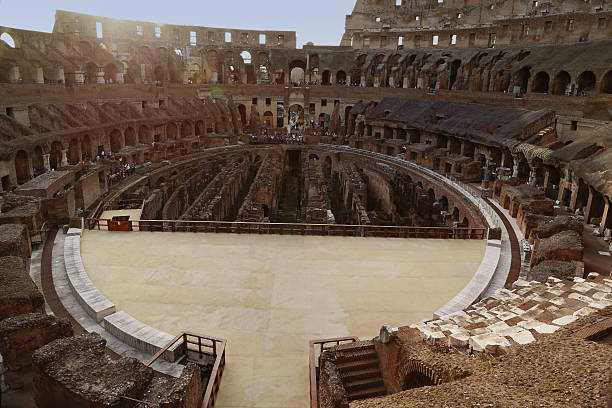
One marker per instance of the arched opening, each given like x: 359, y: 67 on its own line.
x: 586, y: 82
x: 130, y: 137
x: 268, y: 118
x: 523, y: 169
x: 454, y: 69
x: 200, y: 128
x: 86, y: 148
x: 110, y: 73
x: 144, y: 135
x: 432, y: 195
x: 242, y: 111
x: 246, y: 57
x: 540, y: 82
x: 115, y: 141
x: 606, y: 83
x: 416, y: 379
x: 341, y: 77
x: 38, y: 163
x: 323, y: 120
x: 522, y: 78
x: 159, y: 74
x: 325, y: 78
x: 297, y: 71
x: 444, y: 203
x: 171, y: 131
x: 195, y: 74
x: 91, y: 73
x: 455, y: 214
x: 561, y: 83
x: 186, y: 129
x: 465, y: 223
x: 73, y: 152
x: 6, y: 37
x: 55, y: 156
x: 22, y: 167
x: 296, y: 115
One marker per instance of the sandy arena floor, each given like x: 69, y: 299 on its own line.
x: 269, y: 295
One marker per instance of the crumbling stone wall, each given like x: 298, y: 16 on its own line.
x: 18, y: 293
x: 21, y: 335
x: 264, y: 191
x: 15, y: 241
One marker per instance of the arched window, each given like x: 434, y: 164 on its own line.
x: 246, y: 57
x: 6, y: 37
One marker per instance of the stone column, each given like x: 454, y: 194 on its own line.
x: 40, y: 76
x: 100, y: 76
x: 515, y: 167
x: 64, y: 158
x: 46, y: 163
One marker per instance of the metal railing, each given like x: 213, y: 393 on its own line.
x: 380, y: 231
x: 315, y: 362
x: 201, y: 345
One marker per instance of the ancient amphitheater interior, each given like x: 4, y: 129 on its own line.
x: 419, y: 216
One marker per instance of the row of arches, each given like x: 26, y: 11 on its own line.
x: 562, y: 83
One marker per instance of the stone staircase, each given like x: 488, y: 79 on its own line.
x: 359, y: 370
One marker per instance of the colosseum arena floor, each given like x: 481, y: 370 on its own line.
x: 275, y: 294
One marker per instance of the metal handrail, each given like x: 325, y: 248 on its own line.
x: 313, y: 366
x: 383, y: 231
x: 218, y: 351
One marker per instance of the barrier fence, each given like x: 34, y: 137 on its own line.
x: 315, y: 362
x: 202, y: 346
x: 287, y: 229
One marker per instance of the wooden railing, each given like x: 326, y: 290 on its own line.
x: 315, y: 363
x: 201, y: 345
x: 297, y: 229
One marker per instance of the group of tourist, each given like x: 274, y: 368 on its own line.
x: 292, y: 139
x: 119, y: 173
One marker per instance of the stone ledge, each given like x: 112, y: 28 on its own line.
x: 93, y: 301
x: 140, y: 336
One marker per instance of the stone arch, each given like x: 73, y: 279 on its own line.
x: 443, y: 203
x: 110, y: 72
x: 432, y: 195
x: 22, y: 167
x: 171, y: 131
x: 73, y: 151
x: 159, y: 74
x: 455, y: 214
x: 195, y: 74
x: 341, y: 77
x: 586, y: 82
x: 38, y: 162
x: 186, y: 129
x: 130, y: 137
x: 606, y: 83
x: 91, y: 73
x: 268, y: 118
x: 418, y: 375
x: 55, y: 155
x: 521, y: 77
x: 242, y: 112
x: 454, y: 70
x: 86, y: 148
x: 540, y: 82
x: 297, y: 71
x: 116, y: 142
x: 200, y: 128
x: 326, y: 78
x: 561, y: 82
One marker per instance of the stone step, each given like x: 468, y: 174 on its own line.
x: 364, y: 383
x: 355, y: 375
x: 367, y: 393
x: 357, y: 365
x: 359, y: 354
x: 358, y: 345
